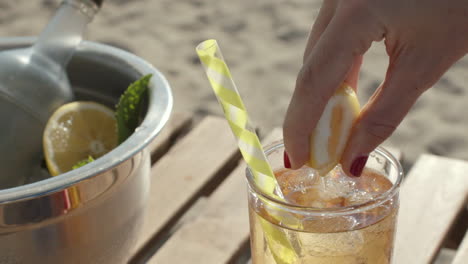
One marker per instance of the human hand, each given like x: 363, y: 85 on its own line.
x: 423, y: 38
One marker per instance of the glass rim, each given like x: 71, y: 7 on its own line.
x: 347, y: 210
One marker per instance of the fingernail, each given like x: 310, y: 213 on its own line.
x: 358, y: 165
x: 287, y: 163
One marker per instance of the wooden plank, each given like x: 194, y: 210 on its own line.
x: 220, y: 231
x: 181, y: 175
x: 462, y: 252
x: 177, y: 124
x: 445, y: 256
x: 215, y: 235
x: 458, y: 230
x: 433, y: 194
x: 191, y: 213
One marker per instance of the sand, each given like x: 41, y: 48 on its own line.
x: 263, y: 42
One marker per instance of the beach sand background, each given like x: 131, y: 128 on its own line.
x: 263, y: 42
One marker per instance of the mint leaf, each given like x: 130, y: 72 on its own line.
x: 83, y: 162
x: 129, y: 107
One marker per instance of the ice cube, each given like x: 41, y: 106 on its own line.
x: 295, y: 180
x: 306, y: 188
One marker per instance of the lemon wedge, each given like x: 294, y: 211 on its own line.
x: 329, y: 138
x: 76, y: 131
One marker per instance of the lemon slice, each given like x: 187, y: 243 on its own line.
x: 76, y: 131
x: 329, y: 138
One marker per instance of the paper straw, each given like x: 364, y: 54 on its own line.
x: 225, y: 90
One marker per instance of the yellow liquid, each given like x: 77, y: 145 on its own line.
x: 353, y: 239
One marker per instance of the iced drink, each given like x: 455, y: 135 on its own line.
x: 326, y: 220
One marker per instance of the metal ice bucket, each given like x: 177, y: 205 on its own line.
x: 91, y: 214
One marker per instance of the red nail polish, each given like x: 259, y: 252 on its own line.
x: 287, y: 163
x: 358, y: 165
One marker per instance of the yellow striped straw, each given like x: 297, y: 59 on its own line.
x: 225, y: 90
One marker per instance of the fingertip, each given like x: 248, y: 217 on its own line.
x: 295, y: 155
x: 297, y: 164
x: 357, y: 165
x: 296, y: 138
x: 294, y: 158
x: 290, y: 165
x: 287, y: 162
x: 353, y: 164
x: 355, y: 154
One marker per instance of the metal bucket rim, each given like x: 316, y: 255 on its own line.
x: 150, y: 127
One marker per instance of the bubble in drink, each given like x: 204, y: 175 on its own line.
x: 353, y: 238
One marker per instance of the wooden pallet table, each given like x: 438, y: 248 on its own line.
x: 197, y: 213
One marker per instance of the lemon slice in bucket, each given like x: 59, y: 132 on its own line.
x: 76, y: 131
x: 329, y: 138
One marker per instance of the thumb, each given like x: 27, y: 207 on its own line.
x: 385, y: 110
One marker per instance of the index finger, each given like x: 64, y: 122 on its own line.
x: 321, y: 22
